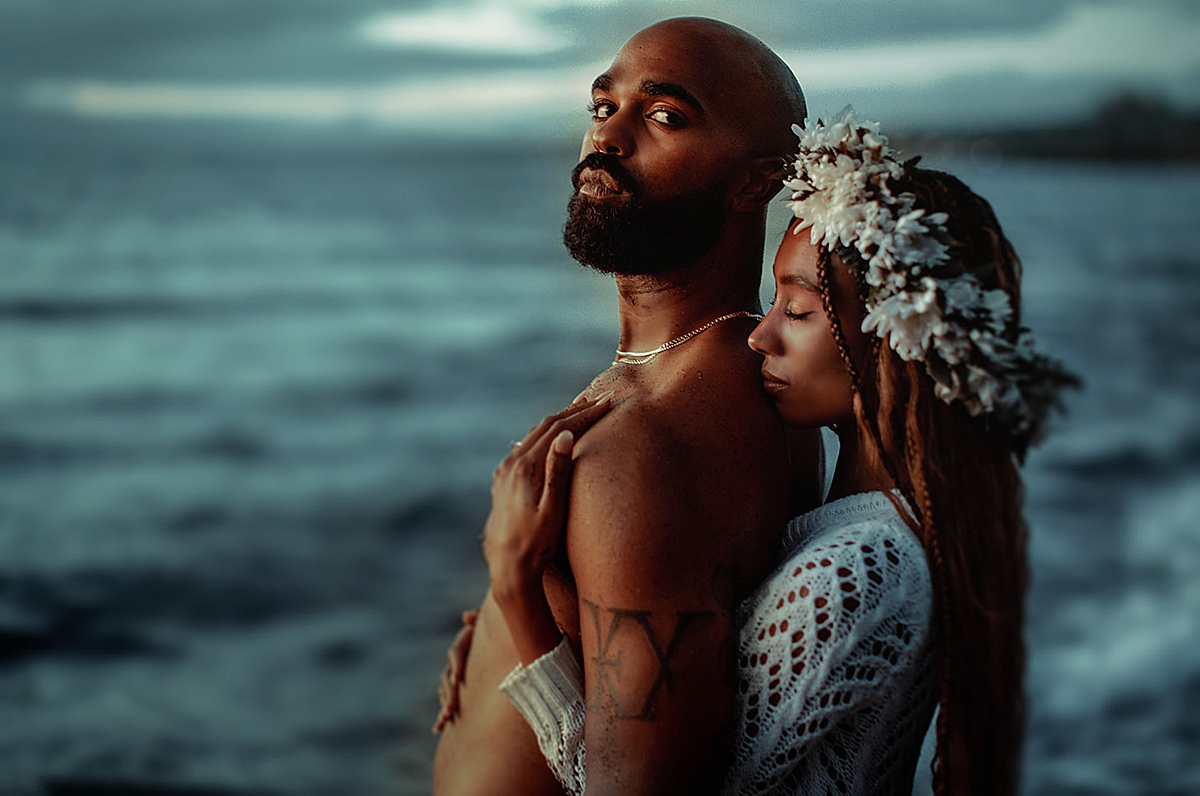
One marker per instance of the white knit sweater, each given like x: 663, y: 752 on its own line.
x: 835, y: 660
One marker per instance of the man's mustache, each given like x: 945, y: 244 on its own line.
x: 610, y: 164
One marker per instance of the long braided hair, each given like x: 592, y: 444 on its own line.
x: 960, y: 475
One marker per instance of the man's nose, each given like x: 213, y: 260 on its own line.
x: 613, y: 136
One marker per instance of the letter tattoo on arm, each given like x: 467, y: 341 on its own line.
x: 609, y: 659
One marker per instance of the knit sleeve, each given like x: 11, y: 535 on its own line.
x: 548, y: 693
x: 830, y: 636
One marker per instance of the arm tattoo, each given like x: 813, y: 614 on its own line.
x: 608, y: 658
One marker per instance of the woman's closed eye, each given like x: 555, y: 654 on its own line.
x: 793, y: 314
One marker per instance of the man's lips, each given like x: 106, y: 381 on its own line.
x: 598, y: 184
x: 772, y: 383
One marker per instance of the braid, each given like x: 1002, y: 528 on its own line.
x: 823, y: 259
x: 914, y: 445
x: 959, y: 478
x: 835, y: 325
x: 918, y: 494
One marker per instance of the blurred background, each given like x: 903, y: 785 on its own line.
x: 279, y: 279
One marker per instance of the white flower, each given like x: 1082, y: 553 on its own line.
x: 842, y: 193
x: 946, y: 392
x: 913, y: 242
x: 995, y: 303
x: 908, y: 321
x: 953, y: 345
x: 988, y: 392
x: 962, y: 294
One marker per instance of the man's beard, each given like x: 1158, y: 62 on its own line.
x: 633, y: 237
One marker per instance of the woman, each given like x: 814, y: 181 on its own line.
x: 897, y: 323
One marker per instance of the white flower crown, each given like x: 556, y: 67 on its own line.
x: 920, y: 301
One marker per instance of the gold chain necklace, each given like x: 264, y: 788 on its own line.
x: 642, y: 357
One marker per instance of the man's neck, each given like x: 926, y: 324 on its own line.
x: 660, y: 307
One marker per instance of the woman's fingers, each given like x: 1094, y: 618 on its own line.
x: 577, y: 422
x: 448, y: 712
x: 526, y: 463
x: 455, y: 671
x: 582, y: 397
x: 448, y: 699
x: 526, y: 517
x: 540, y: 430
x: 456, y: 656
x: 558, y: 475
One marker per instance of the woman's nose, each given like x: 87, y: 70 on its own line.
x: 761, y: 339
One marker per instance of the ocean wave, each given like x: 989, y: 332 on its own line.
x: 26, y: 455
x: 106, y: 613
x: 1129, y: 461
x: 439, y: 511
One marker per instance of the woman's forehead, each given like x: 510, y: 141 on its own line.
x: 796, y: 261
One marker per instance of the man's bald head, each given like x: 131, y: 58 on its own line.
x: 690, y: 124
x: 753, y: 84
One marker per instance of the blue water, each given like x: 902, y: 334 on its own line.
x: 251, y: 396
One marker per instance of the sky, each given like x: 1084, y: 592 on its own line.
x: 500, y: 67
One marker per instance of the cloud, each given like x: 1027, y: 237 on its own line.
x: 1089, y: 46
x: 498, y: 99
x: 488, y: 29
x: 512, y: 28
x: 1118, y: 41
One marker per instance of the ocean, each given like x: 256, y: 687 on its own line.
x: 252, y: 391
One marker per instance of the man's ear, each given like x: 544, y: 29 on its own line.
x: 758, y: 183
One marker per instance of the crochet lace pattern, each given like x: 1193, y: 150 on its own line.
x: 835, y: 662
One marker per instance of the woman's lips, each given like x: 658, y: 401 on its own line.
x: 772, y: 383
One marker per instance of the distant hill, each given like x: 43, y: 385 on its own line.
x: 1127, y: 127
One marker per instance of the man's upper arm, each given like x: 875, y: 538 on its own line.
x: 651, y: 553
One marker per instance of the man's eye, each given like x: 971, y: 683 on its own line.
x: 667, y: 117
x: 600, y: 110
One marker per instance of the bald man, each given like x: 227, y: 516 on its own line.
x: 680, y: 493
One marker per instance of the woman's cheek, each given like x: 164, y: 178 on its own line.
x: 819, y: 390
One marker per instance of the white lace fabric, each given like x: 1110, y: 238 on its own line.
x: 549, y: 694
x: 835, y: 663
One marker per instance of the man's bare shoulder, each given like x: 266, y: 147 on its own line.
x: 709, y: 402
x: 697, y: 461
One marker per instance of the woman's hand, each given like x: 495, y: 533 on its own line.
x: 529, y: 505
x: 455, y: 671
x: 530, y: 491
